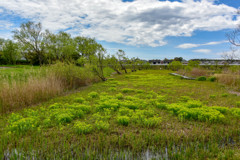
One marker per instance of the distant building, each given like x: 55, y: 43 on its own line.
x: 202, y: 62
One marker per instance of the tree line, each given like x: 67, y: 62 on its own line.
x: 40, y: 47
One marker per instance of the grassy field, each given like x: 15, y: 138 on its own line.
x: 146, y: 114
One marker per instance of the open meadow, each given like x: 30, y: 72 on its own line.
x: 147, y: 114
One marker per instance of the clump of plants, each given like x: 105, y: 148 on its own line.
x: 123, y: 120
x: 82, y: 128
x: 201, y: 78
x: 102, y: 125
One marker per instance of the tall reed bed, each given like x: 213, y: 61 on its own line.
x: 38, y: 85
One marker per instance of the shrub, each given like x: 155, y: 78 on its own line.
x: 108, y: 104
x: 62, y: 118
x: 112, y: 89
x: 223, y: 110
x: 123, y: 120
x: 130, y: 104
x: 212, y: 79
x: 93, y: 95
x: 202, y: 78
x: 235, y: 112
x: 238, y: 104
x: 23, y: 125
x: 82, y: 128
x: 128, y: 90
x: 161, y: 105
x: 161, y: 98
x: 123, y: 111
x: 175, y: 65
x: 119, y: 96
x: 79, y: 100
x: 152, y: 121
x: 184, y: 99
x: 224, y: 95
x: 101, y: 125
x: 193, y: 104
x: 212, y: 96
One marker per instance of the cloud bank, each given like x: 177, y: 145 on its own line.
x: 192, y: 45
x: 141, y: 22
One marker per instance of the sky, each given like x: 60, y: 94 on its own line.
x: 148, y: 29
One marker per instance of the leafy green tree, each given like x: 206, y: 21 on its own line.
x: 122, y: 59
x: 193, y: 64
x: 133, y: 63
x: 31, y: 36
x: 175, y: 65
x: 99, y: 62
x: 113, y: 63
x: 178, y: 59
x: 10, y: 52
x: 86, y: 47
x: 60, y: 47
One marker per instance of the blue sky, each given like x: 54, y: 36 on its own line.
x: 148, y: 29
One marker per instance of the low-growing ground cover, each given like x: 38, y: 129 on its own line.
x: 147, y: 113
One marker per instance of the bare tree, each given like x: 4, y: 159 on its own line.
x: 234, y: 37
x: 230, y: 56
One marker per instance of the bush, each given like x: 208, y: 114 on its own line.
x: 235, y: 112
x: 82, y: 128
x: 101, y: 125
x: 212, y: 79
x: 175, y: 65
x: 93, y: 95
x: 238, y: 104
x: 79, y: 100
x: 24, y: 124
x: 152, y: 121
x: 123, y: 120
x: 119, y: 96
x: 223, y: 110
x: 128, y: 90
x: 161, y: 105
x: 202, y: 78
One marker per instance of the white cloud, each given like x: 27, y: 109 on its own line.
x: 205, y: 51
x: 192, y: 45
x: 5, y: 25
x: 141, y: 22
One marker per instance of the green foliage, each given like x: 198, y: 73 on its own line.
x: 224, y: 95
x: 212, y: 96
x: 175, y: 65
x: 161, y: 105
x: 79, y: 100
x: 238, y: 104
x: 152, y: 121
x: 123, y: 120
x: 235, y: 112
x: 119, y: 96
x: 128, y: 90
x: 201, y: 78
x: 212, y: 79
x: 10, y: 52
x: 193, y: 104
x: 193, y: 64
x: 223, y: 110
x: 184, y: 98
x: 23, y: 125
x: 93, y: 95
x: 101, y: 125
x: 82, y: 128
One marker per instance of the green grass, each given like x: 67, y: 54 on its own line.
x: 147, y: 112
